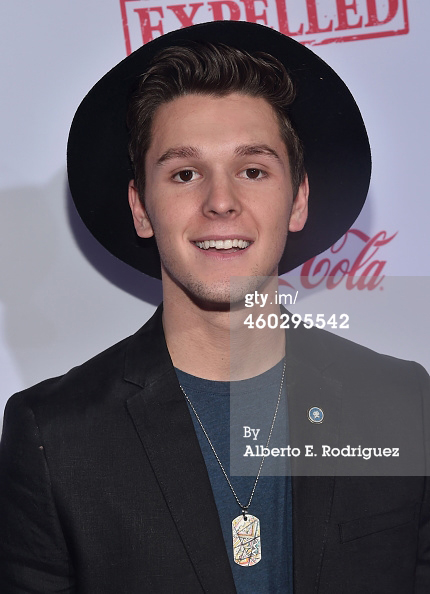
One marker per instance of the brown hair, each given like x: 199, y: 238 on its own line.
x: 216, y: 70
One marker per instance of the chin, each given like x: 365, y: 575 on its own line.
x: 222, y: 295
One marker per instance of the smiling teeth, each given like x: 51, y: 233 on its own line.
x: 223, y: 244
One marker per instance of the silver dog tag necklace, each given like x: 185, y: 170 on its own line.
x: 246, y: 527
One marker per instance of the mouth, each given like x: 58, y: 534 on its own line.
x: 223, y: 244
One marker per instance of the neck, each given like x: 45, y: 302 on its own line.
x: 215, y: 343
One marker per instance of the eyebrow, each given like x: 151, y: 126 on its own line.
x: 256, y: 149
x: 180, y: 152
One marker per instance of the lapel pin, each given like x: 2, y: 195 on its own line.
x: 315, y: 414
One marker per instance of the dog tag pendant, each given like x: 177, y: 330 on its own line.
x: 246, y: 540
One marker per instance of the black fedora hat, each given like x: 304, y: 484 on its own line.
x: 324, y: 114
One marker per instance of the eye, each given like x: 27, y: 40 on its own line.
x: 253, y: 173
x: 186, y: 175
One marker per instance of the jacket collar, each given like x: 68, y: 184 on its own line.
x: 147, y: 358
x: 311, y: 383
x: 162, y: 420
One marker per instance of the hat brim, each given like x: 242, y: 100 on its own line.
x: 324, y: 114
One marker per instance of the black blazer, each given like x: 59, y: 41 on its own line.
x: 103, y: 487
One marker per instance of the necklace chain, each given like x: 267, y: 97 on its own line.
x: 244, y: 508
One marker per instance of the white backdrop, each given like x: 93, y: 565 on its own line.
x: 63, y: 299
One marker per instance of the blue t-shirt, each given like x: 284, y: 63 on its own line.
x: 272, y: 499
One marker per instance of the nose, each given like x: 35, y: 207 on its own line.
x: 221, y: 198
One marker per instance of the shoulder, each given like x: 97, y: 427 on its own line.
x: 348, y: 361
x: 100, y: 380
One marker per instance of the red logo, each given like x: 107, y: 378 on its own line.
x: 365, y: 272
x: 312, y: 22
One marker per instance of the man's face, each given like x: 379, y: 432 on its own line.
x: 218, y: 195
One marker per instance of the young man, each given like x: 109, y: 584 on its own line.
x: 115, y: 477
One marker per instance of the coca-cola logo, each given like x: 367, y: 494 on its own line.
x: 365, y: 271
x: 312, y: 22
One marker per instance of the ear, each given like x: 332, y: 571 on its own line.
x: 142, y: 224
x: 299, y: 211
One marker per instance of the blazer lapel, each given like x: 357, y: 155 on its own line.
x: 162, y: 420
x: 312, y: 477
